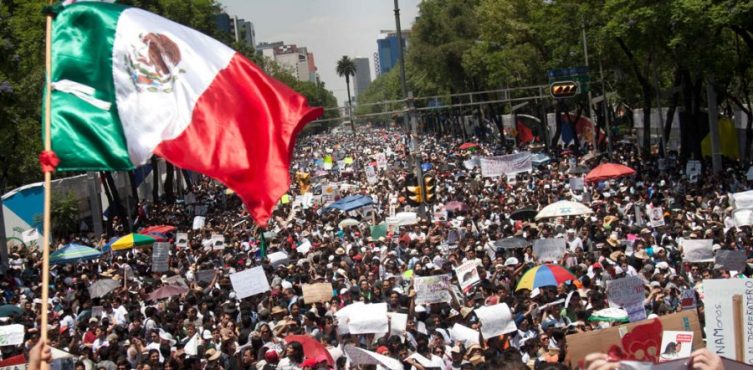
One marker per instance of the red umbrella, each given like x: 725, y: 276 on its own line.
x: 606, y: 171
x: 167, y: 291
x: 468, y: 145
x: 158, y: 229
x: 312, y: 348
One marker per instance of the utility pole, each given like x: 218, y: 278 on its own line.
x: 95, y: 205
x: 605, y: 112
x: 716, y: 155
x: 410, y: 115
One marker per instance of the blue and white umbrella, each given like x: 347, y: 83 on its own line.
x: 72, y: 253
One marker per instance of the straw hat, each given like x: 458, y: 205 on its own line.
x: 212, y: 354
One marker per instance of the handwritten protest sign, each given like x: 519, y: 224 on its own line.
x: 319, y: 292
x: 432, y: 289
x: 249, y: 282
x: 181, y: 240
x: 11, y: 335
x: 506, y: 165
x: 625, y: 291
x: 464, y: 334
x: 636, y: 311
x: 177, y: 280
x: 698, y: 250
x: 722, y: 323
x: 731, y: 260
x: 160, y: 255
x: 495, y: 320
x: 343, y: 316
x: 551, y: 250
x: 368, y: 319
x: 467, y: 274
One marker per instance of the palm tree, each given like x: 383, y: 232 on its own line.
x: 346, y: 67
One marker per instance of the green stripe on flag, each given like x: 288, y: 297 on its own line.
x: 84, y: 136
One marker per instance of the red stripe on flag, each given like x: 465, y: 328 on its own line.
x: 242, y: 133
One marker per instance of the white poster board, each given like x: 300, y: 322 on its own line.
x: 655, y: 215
x: 718, y: 296
x: 464, y: 334
x: 11, y: 335
x: 198, y: 222
x: 360, y: 356
x: 160, y: 255
x: 698, y: 250
x: 369, y: 319
x: 506, y: 165
x: 249, y: 282
x: 495, y: 320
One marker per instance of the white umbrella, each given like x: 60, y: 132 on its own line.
x: 564, y: 208
x: 403, y: 219
x: 348, y: 222
x: 103, y: 286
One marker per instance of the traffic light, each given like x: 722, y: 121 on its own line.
x: 429, y: 189
x: 413, y: 191
x: 564, y: 89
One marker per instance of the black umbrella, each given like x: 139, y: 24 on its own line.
x: 511, y: 243
x: 524, y: 214
x: 577, y: 170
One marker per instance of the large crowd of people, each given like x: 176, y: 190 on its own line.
x: 208, y: 326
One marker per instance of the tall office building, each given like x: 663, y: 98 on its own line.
x: 243, y: 31
x: 297, y: 60
x: 363, y: 75
x: 388, y: 49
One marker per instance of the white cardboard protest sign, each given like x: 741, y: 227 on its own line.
x: 398, y: 323
x: 464, y: 334
x: 277, y: 258
x: 218, y: 242
x: 181, y: 240
x: 360, y: 356
x: 343, y: 316
x: 249, y: 282
x: 369, y: 319
x: 719, y: 296
x: 11, y: 335
x: 204, y: 276
x: 698, y: 250
x: 506, y: 165
x: 467, y: 274
x: 625, y: 291
x: 741, y: 200
x: 636, y: 312
x: 742, y: 217
x: 432, y: 289
x: 198, y: 222
x: 549, y: 250
x: 495, y: 320
x: 381, y: 161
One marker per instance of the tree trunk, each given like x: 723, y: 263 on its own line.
x: 647, y: 92
x: 350, y: 105
x: 673, y: 101
x: 155, y: 179
x: 169, y: 179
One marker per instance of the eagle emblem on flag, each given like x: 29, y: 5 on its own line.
x: 153, y: 64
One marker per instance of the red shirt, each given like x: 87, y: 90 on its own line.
x: 89, y: 337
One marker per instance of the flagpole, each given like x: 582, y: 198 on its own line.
x: 47, y: 183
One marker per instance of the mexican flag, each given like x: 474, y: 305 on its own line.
x: 127, y: 84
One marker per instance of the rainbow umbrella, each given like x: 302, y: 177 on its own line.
x: 132, y: 240
x: 544, y: 275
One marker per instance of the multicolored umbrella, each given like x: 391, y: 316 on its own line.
x: 611, y: 314
x: 132, y: 240
x: 544, y: 275
x: 72, y: 253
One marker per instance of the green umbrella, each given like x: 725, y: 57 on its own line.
x: 10, y: 310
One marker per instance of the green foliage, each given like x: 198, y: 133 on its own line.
x: 64, y: 214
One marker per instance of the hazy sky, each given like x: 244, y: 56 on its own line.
x: 328, y: 28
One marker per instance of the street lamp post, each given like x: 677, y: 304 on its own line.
x: 410, y: 114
